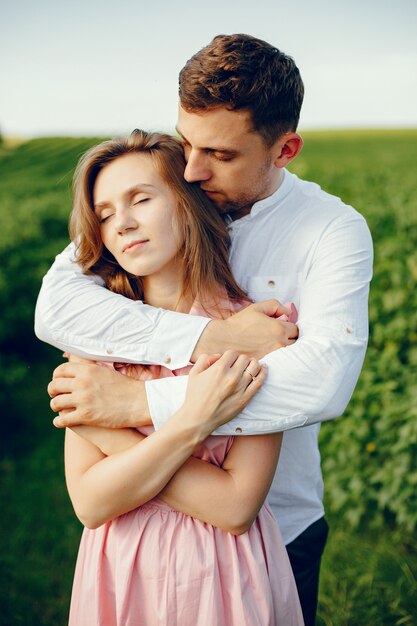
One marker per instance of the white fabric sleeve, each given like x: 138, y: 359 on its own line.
x: 312, y: 380
x: 77, y: 314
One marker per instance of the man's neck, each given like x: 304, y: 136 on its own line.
x: 241, y: 212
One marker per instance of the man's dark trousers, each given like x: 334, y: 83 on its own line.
x: 305, y: 555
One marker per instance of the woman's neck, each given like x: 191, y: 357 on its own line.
x: 163, y: 290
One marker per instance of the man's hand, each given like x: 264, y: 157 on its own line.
x: 85, y: 393
x: 254, y: 331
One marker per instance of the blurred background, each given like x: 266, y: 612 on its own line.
x: 73, y: 73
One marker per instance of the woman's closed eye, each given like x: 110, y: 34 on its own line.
x: 104, y: 217
x: 138, y: 197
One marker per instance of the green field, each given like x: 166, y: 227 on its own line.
x: 369, y: 575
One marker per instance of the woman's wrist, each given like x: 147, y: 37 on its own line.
x: 193, y: 424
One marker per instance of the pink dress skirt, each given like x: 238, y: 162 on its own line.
x: 155, y: 566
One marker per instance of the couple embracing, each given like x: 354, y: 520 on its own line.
x: 188, y: 380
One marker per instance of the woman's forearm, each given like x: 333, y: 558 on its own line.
x: 197, y: 488
x: 106, y: 487
x: 206, y: 492
x: 109, y: 440
x: 184, y: 491
x: 229, y: 496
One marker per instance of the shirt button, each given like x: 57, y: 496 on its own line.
x: 271, y: 283
x: 109, y: 351
x: 348, y: 330
x: 238, y: 430
x: 167, y: 360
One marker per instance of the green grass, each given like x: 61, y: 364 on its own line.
x: 369, y: 456
x: 367, y: 579
x: 38, y: 530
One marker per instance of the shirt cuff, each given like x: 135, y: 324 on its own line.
x: 183, y: 338
x: 165, y: 397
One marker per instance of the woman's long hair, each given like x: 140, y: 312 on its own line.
x: 204, y: 254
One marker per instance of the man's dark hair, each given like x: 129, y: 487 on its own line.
x: 242, y: 72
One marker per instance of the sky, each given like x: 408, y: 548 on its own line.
x: 105, y: 67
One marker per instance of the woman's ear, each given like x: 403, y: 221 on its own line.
x: 286, y: 148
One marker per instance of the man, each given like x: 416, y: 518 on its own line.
x: 240, y: 100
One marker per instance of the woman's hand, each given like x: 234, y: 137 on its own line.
x: 219, y: 387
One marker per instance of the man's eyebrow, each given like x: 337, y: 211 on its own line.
x: 129, y: 192
x: 228, y: 151
x: 223, y: 150
x: 177, y: 130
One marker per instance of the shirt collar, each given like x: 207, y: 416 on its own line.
x: 278, y: 195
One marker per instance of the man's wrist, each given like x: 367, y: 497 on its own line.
x: 139, y: 413
x: 210, y: 341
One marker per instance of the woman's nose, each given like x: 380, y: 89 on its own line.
x: 124, y: 220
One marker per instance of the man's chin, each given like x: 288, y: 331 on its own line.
x: 223, y: 205
x: 217, y: 199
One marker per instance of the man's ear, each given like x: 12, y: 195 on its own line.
x: 286, y: 149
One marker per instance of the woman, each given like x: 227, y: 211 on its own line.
x: 175, y: 535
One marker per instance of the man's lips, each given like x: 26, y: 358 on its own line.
x: 129, y: 248
x: 210, y: 192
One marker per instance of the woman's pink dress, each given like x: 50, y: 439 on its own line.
x: 155, y: 566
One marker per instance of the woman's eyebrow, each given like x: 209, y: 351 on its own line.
x: 137, y: 188
x: 98, y: 206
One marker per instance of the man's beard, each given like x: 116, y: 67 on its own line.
x: 241, y: 204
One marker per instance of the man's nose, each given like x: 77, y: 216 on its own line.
x: 197, y: 168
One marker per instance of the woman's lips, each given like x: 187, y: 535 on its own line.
x: 135, y: 245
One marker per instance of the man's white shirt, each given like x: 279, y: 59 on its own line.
x: 300, y: 245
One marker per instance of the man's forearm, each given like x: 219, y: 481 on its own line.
x: 77, y: 314
x: 255, y: 330
x: 312, y: 380
x: 295, y: 392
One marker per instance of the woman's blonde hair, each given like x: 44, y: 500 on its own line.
x: 204, y: 254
